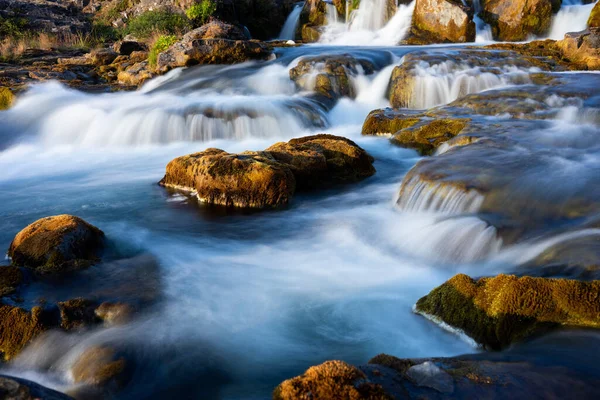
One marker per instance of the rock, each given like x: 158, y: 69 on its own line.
x: 269, y: 178
x: 7, y: 98
x: 114, y: 313
x: 428, y: 135
x: 103, y: 56
x: 582, y: 48
x: 57, y: 244
x: 518, y: 19
x: 340, y: 6
x: 10, y: 279
x: 430, y: 375
x: 312, y: 17
x: 388, y: 122
x: 322, y: 160
x: 216, y: 29
x: 188, y: 52
x: 12, y: 388
x: 329, y: 76
x: 501, y: 310
x: 249, y: 180
x: 126, y: 47
x: 138, y: 56
x: 18, y: 327
x: 135, y: 75
x: 330, y: 380
x: 100, y: 366
x: 594, y: 19
x: 77, y: 314
x: 45, y: 16
x: 441, y: 21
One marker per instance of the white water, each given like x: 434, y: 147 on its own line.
x: 570, y: 18
x: 367, y: 26
x: 288, y: 32
x: 445, y: 82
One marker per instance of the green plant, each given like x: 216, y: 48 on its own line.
x: 162, y: 22
x: 199, y: 13
x: 12, y: 27
x: 161, y: 44
x: 103, y: 33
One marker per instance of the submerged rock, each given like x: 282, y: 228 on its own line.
x: 501, y: 310
x: 440, y: 21
x: 77, y: 314
x: 114, y: 313
x: 330, y: 380
x: 100, y: 366
x: 10, y: 279
x: 323, y: 160
x: 269, y: 178
x: 250, y: 179
x: 12, y: 388
x: 57, y: 244
x: 517, y: 20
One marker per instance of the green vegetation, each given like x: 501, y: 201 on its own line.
x: 199, y: 13
x: 153, y: 22
x: 162, y: 44
x: 12, y: 27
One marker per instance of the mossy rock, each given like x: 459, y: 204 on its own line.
x: 10, y: 279
x: 247, y: 180
x: 330, y: 380
x: 442, y: 21
x: 322, y: 160
x: 100, y: 366
x: 501, y: 310
x: 57, y: 244
x: 517, y: 20
x: 387, y: 122
x: 18, y: 327
x: 7, y: 98
x: 428, y: 136
x: 594, y: 19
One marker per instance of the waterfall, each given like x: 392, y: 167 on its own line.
x: 288, y: 32
x: 367, y: 26
x: 418, y: 195
x: 570, y: 18
x: 332, y: 14
x: 447, y: 81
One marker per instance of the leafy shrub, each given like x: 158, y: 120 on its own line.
x: 161, y: 44
x: 150, y: 22
x: 199, y: 13
x: 102, y: 33
x: 12, y: 27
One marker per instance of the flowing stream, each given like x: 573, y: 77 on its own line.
x: 249, y: 299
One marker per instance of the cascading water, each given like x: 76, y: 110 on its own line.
x: 572, y: 17
x: 288, y: 32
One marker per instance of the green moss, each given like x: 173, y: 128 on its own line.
x: 427, y: 137
x: 6, y: 98
x: 161, y: 45
x: 499, y: 311
x: 594, y: 19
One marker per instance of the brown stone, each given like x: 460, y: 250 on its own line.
x: 440, y: 21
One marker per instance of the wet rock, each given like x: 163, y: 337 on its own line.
x: 430, y: 375
x: 388, y: 122
x: 322, y: 160
x: 136, y: 74
x: 190, y: 51
x: 19, y: 326
x: 332, y: 379
x: 249, y: 180
x: 312, y: 18
x: 440, y: 21
x: 7, y: 98
x: 594, y: 19
x: 330, y: 76
x: 428, y: 135
x: 100, y: 366
x: 103, y: 56
x: 12, y: 388
x: 582, y: 48
x: 126, y: 47
x: 516, y: 20
x: 501, y: 310
x: 57, y: 244
x: 10, y: 279
x: 77, y: 314
x: 114, y: 313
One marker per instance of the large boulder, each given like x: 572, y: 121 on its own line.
x: 501, y: 310
x: 57, y: 244
x: 582, y: 48
x: 269, y: 178
x: 12, y: 388
x: 594, y: 19
x: 100, y: 366
x: 216, y: 29
x: 250, y: 179
x: 312, y: 17
x: 322, y: 160
x: 441, y: 21
x: 517, y: 20
x: 330, y: 380
x: 192, y: 51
